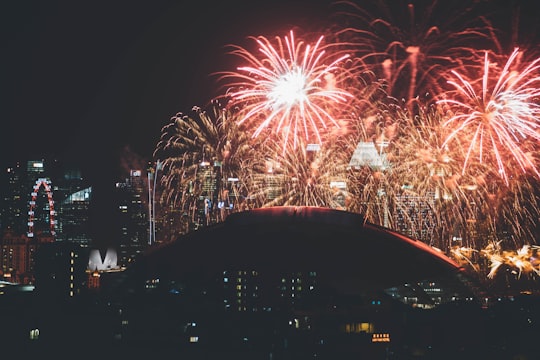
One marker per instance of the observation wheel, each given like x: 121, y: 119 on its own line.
x: 46, y: 183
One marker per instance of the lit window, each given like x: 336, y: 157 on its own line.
x: 34, y: 334
x: 193, y: 339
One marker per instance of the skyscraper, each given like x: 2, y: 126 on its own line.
x: 13, y: 213
x: 43, y: 203
x: 414, y: 215
x: 132, y: 214
x: 74, y: 197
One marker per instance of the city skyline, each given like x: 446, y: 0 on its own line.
x: 409, y: 228
x: 92, y: 84
x: 490, y: 28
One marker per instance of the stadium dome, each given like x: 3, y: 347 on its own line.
x: 298, y: 283
x: 274, y: 239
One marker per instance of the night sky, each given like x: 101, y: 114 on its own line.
x: 83, y: 80
x: 93, y: 82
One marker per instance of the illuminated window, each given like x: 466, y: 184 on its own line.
x: 193, y: 339
x: 385, y: 337
x: 34, y: 334
x: 358, y: 328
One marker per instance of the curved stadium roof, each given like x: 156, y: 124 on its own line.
x: 279, y: 239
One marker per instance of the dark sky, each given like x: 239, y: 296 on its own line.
x: 83, y: 80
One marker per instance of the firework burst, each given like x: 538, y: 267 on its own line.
x: 412, y: 45
x: 421, y: 189
x: 292, y: 88
x: 522, y: 261
x: 497, y: 118
x: 311, y: 175
x: 204, y: 147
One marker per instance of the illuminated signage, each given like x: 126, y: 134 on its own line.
x: 383, y: 337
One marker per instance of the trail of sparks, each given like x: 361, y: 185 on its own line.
x: 524, y: 260
x: 450, y: 161
x: 412, y: 45
x: 498, y: 117
x: 292, y: 89
x: 205, y: 144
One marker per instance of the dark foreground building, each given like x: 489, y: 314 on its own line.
x: 301, y: 283
x: 289, y: 283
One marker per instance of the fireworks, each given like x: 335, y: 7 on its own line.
x: 367, y: 175
x: 444, y: 172
x: 425, y: 192
x: 523, y: 260
x: 311, y: 175
x: 200, y: 153
x: 497, y: 118
x: 422, y: 191
x: 464, y: 255
x: 412, y: 46
x: 293, y: 88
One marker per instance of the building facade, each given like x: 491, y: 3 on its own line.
x: 132, y: 232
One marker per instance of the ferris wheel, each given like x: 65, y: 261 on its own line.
x: 46, y: 183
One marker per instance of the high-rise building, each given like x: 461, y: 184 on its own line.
x: 14, y: 210
x: 208, y: 177
x: 35, y: 169
x: 23, y: 201
x: 73, y: 199
x: 41, y: 204
x: 17, y: 255
x: 414, y: 215
x: 28, y: 219
x: 132, y: 214
x: 367, y: 154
